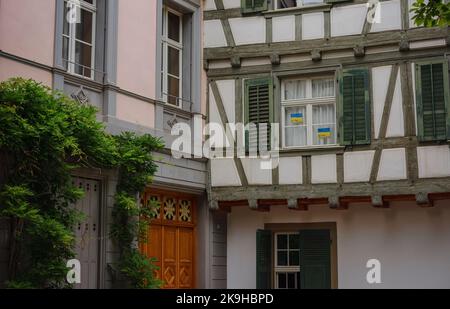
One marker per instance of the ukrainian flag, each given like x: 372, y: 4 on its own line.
x: 297, y: 118
x: 324, y: 132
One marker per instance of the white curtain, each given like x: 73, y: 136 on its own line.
x: 294, y: 90
x: 324, y: 118
x: 295, y: 132
x: 323, y: 88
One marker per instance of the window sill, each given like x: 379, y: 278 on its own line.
x: 306, y: 151
x: 321, y: 7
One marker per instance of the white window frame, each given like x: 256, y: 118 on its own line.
x: 70, y: 62
x: 307, y: 102
x: 166, y: 43
x: 284, y: 269
x: 299, y: 4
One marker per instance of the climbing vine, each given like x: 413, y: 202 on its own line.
x: 44, y: 137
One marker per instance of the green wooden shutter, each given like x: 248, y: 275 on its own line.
x: 432, y: 101
x: 258, y: 107
x: 315, y: 259
x: 263, y: 259
x: 252, y: 6
x: 355, y: 109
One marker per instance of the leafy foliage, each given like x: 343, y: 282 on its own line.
x: 44, y: 136
x: 431, y: 13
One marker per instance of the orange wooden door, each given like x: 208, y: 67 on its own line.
x: 172, y: 238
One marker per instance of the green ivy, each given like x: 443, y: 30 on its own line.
x: 44, y: 137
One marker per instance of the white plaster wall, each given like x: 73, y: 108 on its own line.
x: 283, y: 28
x: 231, y: 4
x: 210, y: 5
x: 255, y: 174
x: 396, y: 125
x: 380, y: 81
x: 248, y: 30
x: 324, y: 169
x: 227, y: 93
x: 392, y: 165
x: 434, y: 161
x: 224, y: 173
x: 213, y: 34
x: 291, y: 171
x: 412, y: 243
x: 358, y: 166
x: 390, y: 17
x: 340, y: 17
x: 219, y: 64
x: 313, y: 26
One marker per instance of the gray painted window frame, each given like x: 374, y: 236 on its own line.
x: 192, y: 50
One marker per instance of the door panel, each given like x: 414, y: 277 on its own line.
x: 87, y: 233
x: 172, y: 238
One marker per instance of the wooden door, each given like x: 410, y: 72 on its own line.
x: 172, y: 238
x: 87, y: 233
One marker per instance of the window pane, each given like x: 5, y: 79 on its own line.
x: 282, y: 241
x: 174, y: 27
x: 282, y: 258
x: 324, y: 124
x: 173, y: 90
x: 295, y: 123
x: 84, y: 27
x: 174, y: 61
x: 294, y: 241
x: 66, y: 21
x: 83, y: 55
x: 283, y: 4
x: 295, y: 89
x: 65, y: 51
x: 282, y: 281
x: 294, y: 258
x: 323, y: 88
x: 292, y: 281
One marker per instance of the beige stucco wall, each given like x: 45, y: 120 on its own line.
x: 27, y: 29
x: 135, y: 111
x: 137, y: 47
x: 412, y: 244
x: 11, y: 68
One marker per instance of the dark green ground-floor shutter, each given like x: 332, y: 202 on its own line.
x: 315, y: 259
x: 263, y: 259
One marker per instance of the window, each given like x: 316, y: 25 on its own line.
x: 79, y: 37
x: 283, y: 4
x: 251, y: 6
x: 309, y: 112
x: 432, y: 101
x: 172, y: 55
x: 287, y: 261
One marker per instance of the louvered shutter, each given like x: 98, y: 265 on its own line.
x: 263, y: 259
x: 315, y: 259
x: 432, y: 101
x: 252, y: 6
x: 259, y: 110
x: 355, y: 108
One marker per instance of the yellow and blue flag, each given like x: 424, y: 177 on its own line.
x: 297, y: 118
x: 324, y: 132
